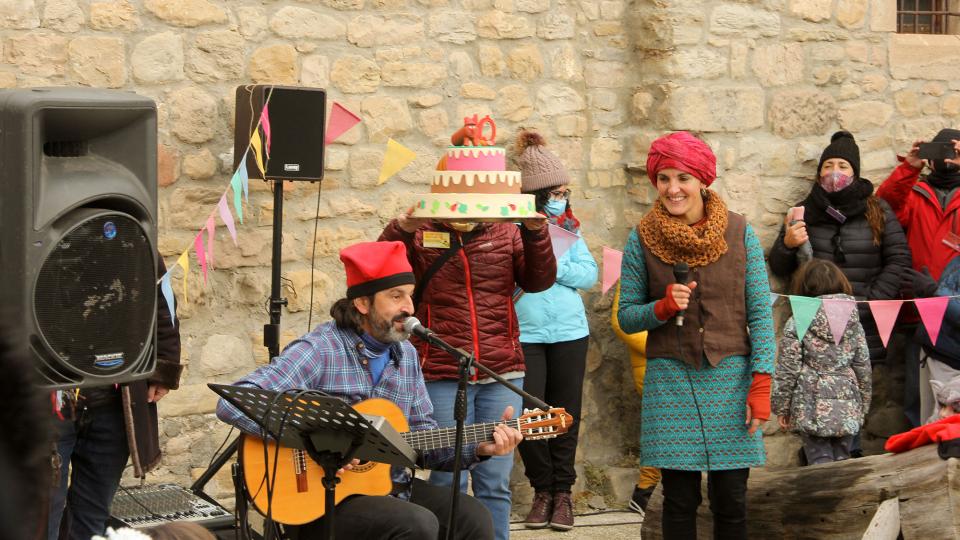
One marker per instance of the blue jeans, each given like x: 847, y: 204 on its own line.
x: 95, y: 445
x: 491, y: 479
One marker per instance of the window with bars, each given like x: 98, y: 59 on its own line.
x: 928, y: 16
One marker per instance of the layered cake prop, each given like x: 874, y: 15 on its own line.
x: 471, y: 182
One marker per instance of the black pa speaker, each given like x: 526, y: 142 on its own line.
x: 78, y: 210
x: 297, y: 124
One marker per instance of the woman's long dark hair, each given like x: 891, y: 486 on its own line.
x: 818, y: 277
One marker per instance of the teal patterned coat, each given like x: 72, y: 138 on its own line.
x: 695, y: 419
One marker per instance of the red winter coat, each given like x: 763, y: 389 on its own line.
x: 469, y: 300
x: 942, y: 430
x: 924, y: 221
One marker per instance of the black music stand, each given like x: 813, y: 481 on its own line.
x: 330, y: 431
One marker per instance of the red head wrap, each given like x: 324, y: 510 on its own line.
x: 682, y: 151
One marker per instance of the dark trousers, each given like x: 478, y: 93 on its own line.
x: 424, y: 516
x: 555, y: 375
x: 826, y: 449
x: 728, y: 503
x: 94, y: 448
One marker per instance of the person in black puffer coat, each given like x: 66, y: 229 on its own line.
x: 846, y: 224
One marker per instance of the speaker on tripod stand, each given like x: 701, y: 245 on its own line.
x: 78, y: 211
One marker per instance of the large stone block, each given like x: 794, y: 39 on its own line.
x: 413, y: 75
x: 200, y: 165
x: 778, y: 65
x: 193, y: 115
x: 158, y: 59
x: 37, y: 53
x: 274, y: 64
x: 565, y: 64
x: 62, y: 15
x: 18, y: 14
x: 353, y: 74
x: 664, y: 28
x: 851, y: 13
x: 315, y: 71
x: 514, y: 103
x: 717, y: 108
x: 223, y: 354
x: 795, y: 113
x: 525, y: 62
x: 691, y: 63
x: 811, y: 10
x: 302, y: 23
x: 499, y: 25
x: 605, y: 153
x: 187, y: 13
x: 373, y: 31
x: 555, y: 99
x: 216, y: 55
x: 919, y: 56
x: 883, y: 16
x: 385, y: 117
x: 98, y: 61
x: 120, y: 15
x: 452, y: 27
x: 253, y: 22
x: 738, y: 20
x: 557, y: 25
x: 605, y: 74
x: 863, y: 115
x: 492, y: 63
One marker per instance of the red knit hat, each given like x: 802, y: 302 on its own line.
x: 375, y: 266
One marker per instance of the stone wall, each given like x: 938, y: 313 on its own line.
x: 766, y: 81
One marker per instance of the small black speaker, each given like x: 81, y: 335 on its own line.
x: 297, y: 124
x: 78, y: 210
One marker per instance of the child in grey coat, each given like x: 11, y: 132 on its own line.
x: 821, y: 389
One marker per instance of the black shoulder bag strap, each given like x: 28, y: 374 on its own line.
x: 424, y: 280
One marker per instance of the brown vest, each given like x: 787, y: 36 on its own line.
x: 715, y: 323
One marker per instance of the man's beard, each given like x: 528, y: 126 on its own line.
x: 384, y: 330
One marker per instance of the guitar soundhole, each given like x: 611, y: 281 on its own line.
x: 363, y: 466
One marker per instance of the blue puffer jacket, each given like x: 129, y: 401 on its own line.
x: 947, y: 349
x: 557, y: 314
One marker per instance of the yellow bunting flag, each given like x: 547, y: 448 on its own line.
x: 184, y: 262
x: 397, y: 157
x: 257, y: 146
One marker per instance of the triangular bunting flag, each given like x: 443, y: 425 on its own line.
x: 838, y: 315
x: 167, y: 291
x: 265, y: 124
x: 227, y: 217
x: 211, y: 225
x: 201, y: 254
x: 931, y: 313
x: 773, y: 298
x: 397, y: 157
x: 885, y: 314
x: 237, y: 203
x: 244, y: 177
x: 804, y: 310
x: 184, y: 261
x: 257, y: 146
x: 612, y: 259
x: 561, y: 239
x: 341, y: 120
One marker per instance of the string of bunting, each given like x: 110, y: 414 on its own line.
x: 340, y: 121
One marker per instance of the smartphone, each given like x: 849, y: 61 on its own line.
x: 937, y: 150
x: 796, y: 214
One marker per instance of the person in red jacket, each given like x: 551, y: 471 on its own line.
x: 467, y: 300
x: 929, y: 210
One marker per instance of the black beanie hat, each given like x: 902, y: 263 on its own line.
x: 947, y: 134
x: 843, y: 146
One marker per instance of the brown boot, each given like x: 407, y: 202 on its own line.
x: 562, y: 519
x: 540, y: 512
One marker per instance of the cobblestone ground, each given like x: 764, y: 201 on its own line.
x: 615, y: 525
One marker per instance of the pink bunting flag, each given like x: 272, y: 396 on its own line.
x: 931, y: 313
x: 265, y: 124
x: 612, y: 259
x: 227, y: 217
x: 804, y: 310
x: 885, y: 314
x: 340, y: 121
x: 838, y: 315
x: 201, y: 254
x: 211, y: 225
x: 561, y: 239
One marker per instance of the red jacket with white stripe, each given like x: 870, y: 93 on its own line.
x: 925, y: 222
x: 469, y: 301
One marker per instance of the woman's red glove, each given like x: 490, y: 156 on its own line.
x: 758, y: 397
x: 666, y: 307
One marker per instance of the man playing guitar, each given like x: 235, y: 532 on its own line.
x: 362, y: 354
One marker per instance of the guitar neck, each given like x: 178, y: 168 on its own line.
x: 432, y: 439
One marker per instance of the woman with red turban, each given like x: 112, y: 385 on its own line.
x: 710, y: 342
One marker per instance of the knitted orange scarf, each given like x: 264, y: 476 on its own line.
x: 673, y: 241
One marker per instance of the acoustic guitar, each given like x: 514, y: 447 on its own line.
x: 298, y: 494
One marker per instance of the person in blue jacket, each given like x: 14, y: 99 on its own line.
x: 553, y: 334
x: 941, y: 360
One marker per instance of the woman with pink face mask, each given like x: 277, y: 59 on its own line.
x: 849, y: 226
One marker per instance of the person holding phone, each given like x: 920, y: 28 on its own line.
x: 849, y: 226
x: 928, y: 208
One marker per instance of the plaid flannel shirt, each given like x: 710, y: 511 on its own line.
x: 329, y: 359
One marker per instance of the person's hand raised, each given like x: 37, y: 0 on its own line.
x: 410, y: 224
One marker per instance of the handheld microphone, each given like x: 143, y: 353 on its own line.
x: 680, y: 273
